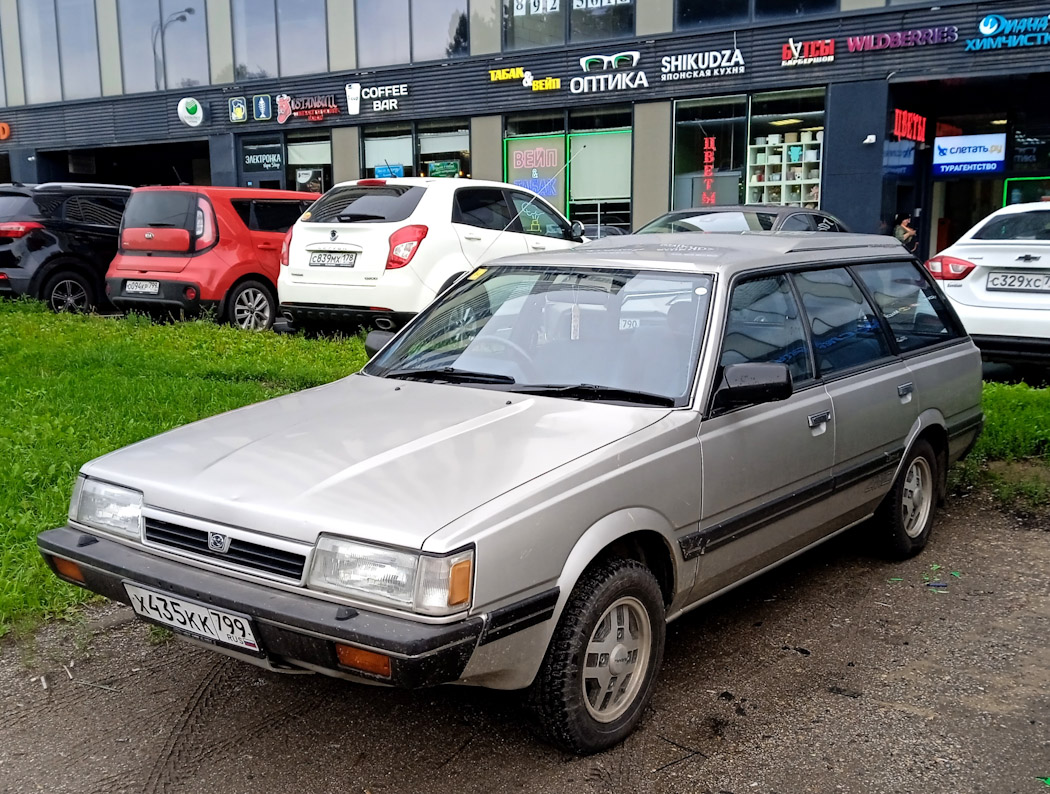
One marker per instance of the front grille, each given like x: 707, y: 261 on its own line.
x: 241, y: 552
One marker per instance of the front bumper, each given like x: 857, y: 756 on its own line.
x: 171, y: 297
x: 291, y: 628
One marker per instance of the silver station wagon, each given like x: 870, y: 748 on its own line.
x: 557, y: 457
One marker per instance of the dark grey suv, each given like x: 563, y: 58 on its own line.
x: 57, y: 239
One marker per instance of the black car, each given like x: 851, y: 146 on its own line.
x: 744, y: 218
x: 57, y: 240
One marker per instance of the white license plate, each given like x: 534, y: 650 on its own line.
x: 190, y: 617
x: 325, y: 259
x: 142, y: 287
x: 1020, y: 282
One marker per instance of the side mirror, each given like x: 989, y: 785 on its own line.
x: 577, y: 231
x: 376, y: 341
x: 753, y: 383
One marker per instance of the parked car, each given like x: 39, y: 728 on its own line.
x: 744, y: 218
x: 376, y: 251
x: 186, y: 249
x: 558, y: 456
x: 597, y: 231
x: 997, y: 277
x: 57, y: 239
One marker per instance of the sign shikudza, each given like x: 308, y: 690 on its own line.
x: 999, y: 33
x: 713, y: 63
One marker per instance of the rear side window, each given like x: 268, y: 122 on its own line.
x: 846, y: 333
x: 911, y: 305
x: 485, y: 208
x: 15, y: 206
x: 826, y: 224
x: 713, y: 222
x: 275, y: 216
x: 765, y: 325
x: 366, y: 204
x: 1033, y: 225
x: 161, y: 209
x: 95, y: 210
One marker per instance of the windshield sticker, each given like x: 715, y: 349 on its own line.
x: 477, y: 274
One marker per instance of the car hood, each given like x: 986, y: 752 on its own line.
x: 373, y: 458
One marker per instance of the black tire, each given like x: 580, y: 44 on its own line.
x: 564, y: 696
x: 251, y: 306
x: 905, y: 517
x: 69, y: 291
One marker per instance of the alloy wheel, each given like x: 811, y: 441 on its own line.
x: 69, y: 296
x: 916, y: 497
x: 616, y: 659
x: 251, y: 310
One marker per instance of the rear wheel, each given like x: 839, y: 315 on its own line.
x: 69, y: 291
x: 597, y: 676
x: 906, y: 514
x: 251, y: 306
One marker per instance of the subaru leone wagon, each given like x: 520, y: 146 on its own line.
x: 556, y: 458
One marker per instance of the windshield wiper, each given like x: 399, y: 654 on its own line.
x: 349, y: 217
x: 588, y: 391
x: 451, y: 374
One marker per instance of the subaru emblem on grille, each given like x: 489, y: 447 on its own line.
x: 333, y: 234
x: 218, y: 542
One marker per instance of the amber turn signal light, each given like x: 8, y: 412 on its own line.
x: 360, y: 659
x: 68, y: 569
x: 459, y: 584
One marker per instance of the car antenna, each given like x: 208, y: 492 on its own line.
x: 528, y: 204
x: 179, y: 178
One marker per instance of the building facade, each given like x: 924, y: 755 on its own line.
x: 615, y: 110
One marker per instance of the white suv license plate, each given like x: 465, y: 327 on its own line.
x: 322, y: 259
x: 142, y: 287
x: 189, y: 617
x: 1019, y: 282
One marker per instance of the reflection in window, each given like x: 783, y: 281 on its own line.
x: 302, y: 36
x: 39, y: 37
x: 765, y: 325
x: 444, y: 148
x: 382, y: 32
x: 909, y: 303
x: 254, y: 39
x: 138, y: 21
x: 793, y: 8
x: 701, y: 13
x: 846, y: 332
x: 78, y: 49
x: 591, y: 21
x: 440, y: 29
x: 182, y: 43
x: 709, y: 151
x: 388, y: 151
x: 533, y: 23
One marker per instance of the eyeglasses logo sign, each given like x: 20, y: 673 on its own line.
x: 609, y: 73
x: 605, y: 63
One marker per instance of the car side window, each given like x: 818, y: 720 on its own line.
x: 846, y: 333
x: 539, y: 219
x: 95, y: 210
x: 799, y: 222
x: 911, y: 305
x: 825, y: 224
x: 244, y: 210
x: 765, y: 324
x: 274, y: 215
x: 485, y: 208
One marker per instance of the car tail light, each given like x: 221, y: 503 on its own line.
x: 368, y: 182
x: 949, y: 268
x: 18, y: 229
x: 204, y: 230
x: 286, y: 246
x: 403, y: 245
x: 3, y: 276
x: 191, y: 293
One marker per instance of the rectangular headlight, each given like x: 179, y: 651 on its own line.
x: 393, y: 577
x: 107, y: 507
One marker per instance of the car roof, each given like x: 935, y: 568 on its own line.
x: 63, y: 187
x: 449, y: 183
x: 233, y: 192
x: 1012, y: 209
x: 772, y: 209
x: 720, y: 253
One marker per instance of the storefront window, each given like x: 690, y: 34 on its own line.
x: 39, y: 36
x: 440, y: 29
x: 590, y: 21
x: 382, y: 32
x: 182, y: 45
x: 786, y: 147
x: 702, y: 13
x: 710, y: 146
x: 310, y: 161
x: 534, y: 155
x: 262, y: 161
x: 533, y: 23
x: 443, y: 148
x: 254, y: 39
x: 793, y: 8
x: 388, y: 151
x: 78, y: 49
x: 599, y: 169
x: 302, y: 36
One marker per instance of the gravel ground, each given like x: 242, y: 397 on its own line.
x: 823, y: 676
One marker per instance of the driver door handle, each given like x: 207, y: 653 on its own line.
x: 537, y: 247
x: 471, y: 238
x: 818, y: 419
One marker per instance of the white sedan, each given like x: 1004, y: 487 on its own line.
x: 997, y: 278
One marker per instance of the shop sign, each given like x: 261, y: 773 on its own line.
x: 387, y: 171
x: 443, y: 168
x: 709, y: 195
x: 618, y: 73
x: 805, y: 53
x: 191, y: 112
x: 523, y: 8
x: 909, y: 126
x: 526, y: 78
x: 537, y: 164
x: 504, y: 75
x: 311, y: 108
x: 918, y: 37
x: 898, y: 157
x: 1000, y: 33
x: 382, y: 97
x: 263, y: 157
x: 713, y: 63
x: 262, y: 107
x: 238, y: 109
x: 969, y: 154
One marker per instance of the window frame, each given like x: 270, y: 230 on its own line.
x: 539, y: 202
x: 566, y: 39
x: 457, y: 217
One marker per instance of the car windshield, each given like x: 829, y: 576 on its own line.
x: 1034, y: 225
x: 615, y: 335
x: 710, y: 222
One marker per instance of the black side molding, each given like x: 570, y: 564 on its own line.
x: 516, y: 617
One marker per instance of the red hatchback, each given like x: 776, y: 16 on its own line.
x: 185, y: 249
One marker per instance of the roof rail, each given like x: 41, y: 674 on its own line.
x: 85, y: 185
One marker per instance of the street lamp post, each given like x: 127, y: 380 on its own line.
x: 158, y: 33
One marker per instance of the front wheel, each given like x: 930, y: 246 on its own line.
x: 251, y: 306
x: 598, y: 674
x: 906, y: 514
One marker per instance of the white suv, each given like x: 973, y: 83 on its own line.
x: 377, y: 251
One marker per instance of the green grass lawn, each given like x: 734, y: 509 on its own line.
x: 73, y: 388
